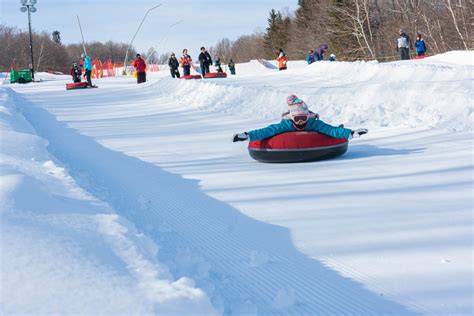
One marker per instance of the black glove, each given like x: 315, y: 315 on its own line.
x: 358, y: 132
x: 240, y: 137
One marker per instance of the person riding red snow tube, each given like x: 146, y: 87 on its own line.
x: 297, y: 147
x: 300, y: 136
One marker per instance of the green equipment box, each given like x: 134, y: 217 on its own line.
x: 20, y: 76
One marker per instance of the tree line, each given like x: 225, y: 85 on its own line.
x: 49, y: 52
x: 356, y: 29
x: 353, y: 29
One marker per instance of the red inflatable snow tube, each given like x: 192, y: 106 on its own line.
x: 191, y: 77
x: 297, y: 147
x: 77, y: 85
x: 215, y: 75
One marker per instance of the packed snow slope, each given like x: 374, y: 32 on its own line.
x: 132, y: 199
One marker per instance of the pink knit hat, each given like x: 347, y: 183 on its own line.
x: 296, y: 106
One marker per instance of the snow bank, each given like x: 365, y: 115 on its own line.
x: 465, y: 58
x: 64, y: 251
x: 397, y: 94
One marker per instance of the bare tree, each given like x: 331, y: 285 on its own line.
x: 451, y: 10
x: 222, y: 50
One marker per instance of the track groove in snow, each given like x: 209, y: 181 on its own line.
x: 286, y: 282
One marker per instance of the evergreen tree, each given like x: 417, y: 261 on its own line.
x: 278, y: 33
x: 308, y: 27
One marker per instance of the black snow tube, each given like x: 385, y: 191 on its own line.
x: 297, y: 147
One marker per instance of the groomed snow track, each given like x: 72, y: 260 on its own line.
x: 242, y: 272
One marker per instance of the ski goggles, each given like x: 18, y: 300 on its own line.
x: 300, y: 119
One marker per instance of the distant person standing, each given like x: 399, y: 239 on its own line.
x: 217, y: 63
x: 186, y: 62
x: 403, y: 45
x: 232, y: 67
x: 87, y: 68
x: 282, y: 60
x: 173, y: 64
x: 420, y: 46
x: 140, y: 67
x: 205, y: 60
x: 76, y: 73
x: 310, y: 57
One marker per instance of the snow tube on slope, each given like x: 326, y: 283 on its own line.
x: 297, y: 147
x: 215, y: 75
x: 77, y: 85
x: 191, y: 77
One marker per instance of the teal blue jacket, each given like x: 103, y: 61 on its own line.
x: 87, y: 63
x: 313, y: 124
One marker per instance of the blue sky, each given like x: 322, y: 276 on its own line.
x: 204, y: 22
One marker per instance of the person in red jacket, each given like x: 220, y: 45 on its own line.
x: 140, y: 66
x: 282, y: 60
x: 186, y: 62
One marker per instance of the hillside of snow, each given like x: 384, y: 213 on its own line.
x: 132, y: 199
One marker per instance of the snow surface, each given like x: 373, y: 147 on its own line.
x: 131, y: 199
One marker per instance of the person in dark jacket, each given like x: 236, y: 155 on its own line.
x: 420, y: 46
x: 205, y: 60
x: 140, y: 66
x: 174, y: 64
x: 217, y: 63
x: 404, y: 45
x: 299, y: 118
x: 76, y: 73
x: 232, y: 67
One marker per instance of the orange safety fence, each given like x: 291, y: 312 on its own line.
x: 109, y: 69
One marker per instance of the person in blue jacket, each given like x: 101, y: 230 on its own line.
x: 420, y: 46
x: 310, y: 57
x: 299, y: 118
x: 319, y: 53
x: 87, y: 64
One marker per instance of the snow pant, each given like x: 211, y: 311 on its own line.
x: 204, y: 69
x: 420, y: 53
x: 141, y: 77
x: 404, y: 53
x: 282, y: 68
x: 232, y: 71
x: 219, y: 69
x: 76, y: 79
x: 88, y: 77
x: 174, y: 72
x: 186, y: 70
